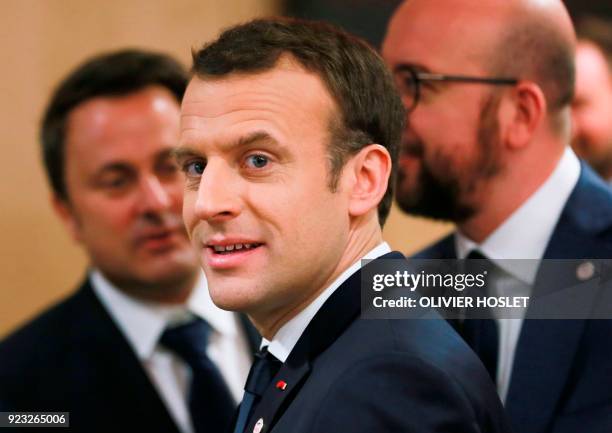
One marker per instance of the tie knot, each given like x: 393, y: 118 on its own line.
x: 475, y: 254
x: 189, y: 341
x: 476, y: 263
x: 263, y: 370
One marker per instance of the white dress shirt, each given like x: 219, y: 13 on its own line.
x: 524, y: 235
x: 288, y: 335
x: 143, y: 323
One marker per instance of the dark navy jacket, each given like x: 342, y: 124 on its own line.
x: 562, y: 373
x: 348, y: 374
x: 73, y: 358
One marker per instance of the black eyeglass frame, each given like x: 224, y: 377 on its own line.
x: 419, y: 76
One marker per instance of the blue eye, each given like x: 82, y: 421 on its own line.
x: 194, y: 168
x: 257, y: 161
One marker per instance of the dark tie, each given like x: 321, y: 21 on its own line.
x: 210, y: 403
x: 481, y: 333
x: 264, y: 368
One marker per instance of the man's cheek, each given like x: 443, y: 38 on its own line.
x: 194, y: 237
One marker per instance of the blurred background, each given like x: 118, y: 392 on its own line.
x: 41, y: 40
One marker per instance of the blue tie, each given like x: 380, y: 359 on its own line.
x: 210, y: 403
x: 264, y: 368
x: 481, y: 334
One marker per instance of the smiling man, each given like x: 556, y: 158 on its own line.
x: 140, y: 346
x: 289, y: 136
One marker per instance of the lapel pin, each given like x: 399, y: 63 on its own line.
x: 281, y: 384
x: 258, y: 426
x: 585, y: 270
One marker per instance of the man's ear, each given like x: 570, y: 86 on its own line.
x: 523, y: 111
x: 371, y: 168
x: 63, y: 209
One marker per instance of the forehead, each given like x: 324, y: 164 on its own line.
x: 446, y: 36
x: 285, y: 102
x: 140, y: 123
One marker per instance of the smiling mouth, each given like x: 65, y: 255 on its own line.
x: 233, y: 248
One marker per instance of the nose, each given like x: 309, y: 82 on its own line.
x: 218, y: 196
x: 154, y: 195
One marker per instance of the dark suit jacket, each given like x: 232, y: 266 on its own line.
x: 73, y: 358
x: 347, y: 374
x: 562, y: 374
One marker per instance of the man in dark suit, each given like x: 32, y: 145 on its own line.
x: 140, y: 346
x: 289, y: 135
x: 486, y: 146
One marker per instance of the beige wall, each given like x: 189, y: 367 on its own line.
x: 40, y: 41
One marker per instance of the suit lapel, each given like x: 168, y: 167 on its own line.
x: 105, y: 361
x: 336, y: 314
x: 547, y: 348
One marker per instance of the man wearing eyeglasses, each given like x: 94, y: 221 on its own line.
x: 488, y: 86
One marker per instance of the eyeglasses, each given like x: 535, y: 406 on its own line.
x: 409, y: 82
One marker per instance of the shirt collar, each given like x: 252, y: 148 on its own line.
x: 534, y: 220
x: 142, y: 322
x: 288, y: 335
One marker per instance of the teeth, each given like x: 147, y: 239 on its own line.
x: 224, y: 248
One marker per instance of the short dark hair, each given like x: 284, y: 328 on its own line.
x: 598, y: 31
x: 370, y: 109
x: 111, y: 74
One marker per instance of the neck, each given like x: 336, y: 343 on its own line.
x: 508, y: 192
x: 362, y: 238
x: 605, y: 169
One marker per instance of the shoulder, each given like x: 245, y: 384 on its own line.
x: 417, y: 375
x: 589, y: 206
x: 429, y: 342
x: 44, y: 338
x: 442, y: 249
x: 584, y: 229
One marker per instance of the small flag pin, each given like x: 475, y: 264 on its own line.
x: 281, y: 384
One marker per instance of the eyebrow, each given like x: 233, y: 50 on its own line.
x: 402, y: 67
x: 257, y: 136
x: 186, y: 151
x: 183, y: 152
x: 112, y: 167
x: 117, y: 165
x: 164, y: 153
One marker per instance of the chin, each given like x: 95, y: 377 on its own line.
x: 230, y: 297
x: 231, y: 304
x: 174, y: 261
x: 171, y: 274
